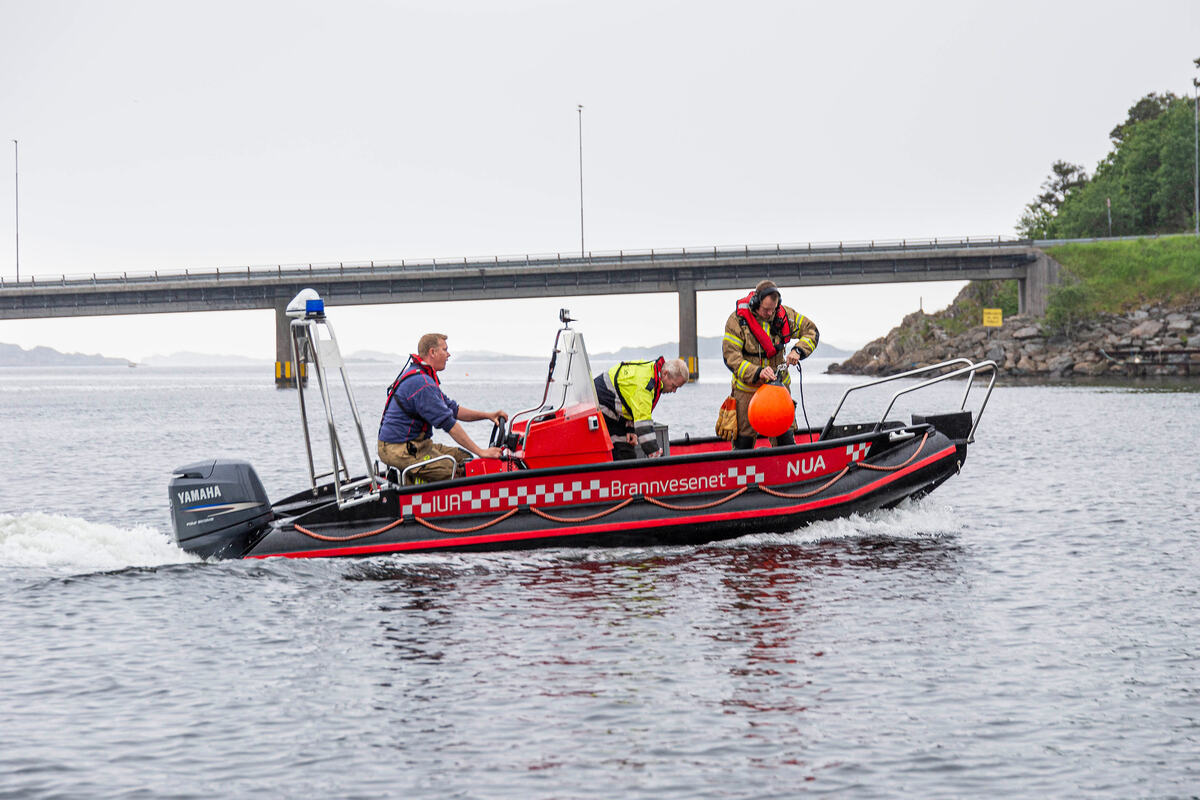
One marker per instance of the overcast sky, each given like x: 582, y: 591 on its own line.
x: 169, y: 135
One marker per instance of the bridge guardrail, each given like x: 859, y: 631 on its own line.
x: 598, y: 258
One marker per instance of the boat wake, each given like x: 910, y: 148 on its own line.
x: 71, y: 545
x: 914, y: 523
x: 912, y: 519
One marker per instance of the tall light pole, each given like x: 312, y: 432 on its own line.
x: 1196, y: 156
x: 581, y: 250
x: 17, y: 204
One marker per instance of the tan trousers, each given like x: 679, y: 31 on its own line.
x: 742, y: 398
x: 397, y: 455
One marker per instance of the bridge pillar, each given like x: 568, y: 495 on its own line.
x: 1033, y: 291
x: 688, y: 348
x: 283, y: 348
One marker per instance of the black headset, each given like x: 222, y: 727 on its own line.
x: 757, y: 299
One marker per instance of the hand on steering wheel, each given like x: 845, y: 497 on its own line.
x: 499, y: 432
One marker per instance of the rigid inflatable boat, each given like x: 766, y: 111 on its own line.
x: 556, y: 484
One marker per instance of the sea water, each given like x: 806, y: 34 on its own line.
x: 1027, y: 630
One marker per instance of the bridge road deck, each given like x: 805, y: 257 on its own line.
x: 683, y: 272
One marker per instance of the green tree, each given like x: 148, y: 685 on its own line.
x: 1172, y: 198
x: 1147, y: 178
x: 1149, y: 107
x: 1038, y: 220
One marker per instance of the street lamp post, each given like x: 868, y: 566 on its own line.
x: 17, y: 205
x: 581, y: 249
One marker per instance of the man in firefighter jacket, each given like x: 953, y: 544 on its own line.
x: 416, y: 405
x: 755, y: 347
x: 627, y: 394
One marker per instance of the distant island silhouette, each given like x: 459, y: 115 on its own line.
x: 12, y: 355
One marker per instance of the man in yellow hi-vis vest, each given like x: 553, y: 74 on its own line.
x: 628, y: 393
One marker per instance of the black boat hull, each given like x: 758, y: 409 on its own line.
x: 685, y: 499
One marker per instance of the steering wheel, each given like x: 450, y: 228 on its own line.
x: 499, y: 432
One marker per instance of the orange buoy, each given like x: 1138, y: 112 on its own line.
x: 772, y: 411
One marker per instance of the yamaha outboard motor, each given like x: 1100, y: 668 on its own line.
x: 219, y: 508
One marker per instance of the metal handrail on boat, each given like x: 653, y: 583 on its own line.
x: 968, y: 368
x: 421, y: 465
x: 969, y: 371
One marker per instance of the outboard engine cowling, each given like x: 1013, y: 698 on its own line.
x: 218, y: 507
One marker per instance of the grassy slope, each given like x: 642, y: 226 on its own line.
x: 1098, y: 277
x: 1116, y: 276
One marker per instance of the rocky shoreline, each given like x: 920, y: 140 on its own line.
x: 1155, y: 340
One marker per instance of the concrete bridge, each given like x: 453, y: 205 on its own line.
x: 683, y: 271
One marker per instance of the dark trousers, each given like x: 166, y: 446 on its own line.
x: 617, y: 429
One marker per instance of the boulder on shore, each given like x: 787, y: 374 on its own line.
x: 1151, y: 340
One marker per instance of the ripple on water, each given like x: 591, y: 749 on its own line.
x: 1026, y: 630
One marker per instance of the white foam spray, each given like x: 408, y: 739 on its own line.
x: 909, y: 520
x: 73, y: 545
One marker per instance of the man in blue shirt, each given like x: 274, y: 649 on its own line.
x: 416, y: 405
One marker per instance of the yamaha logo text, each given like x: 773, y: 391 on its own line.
x: 196, y: 495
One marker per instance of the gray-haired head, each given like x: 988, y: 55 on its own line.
x: 676, y: 370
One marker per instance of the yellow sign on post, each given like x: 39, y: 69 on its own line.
x: 993, y: 317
